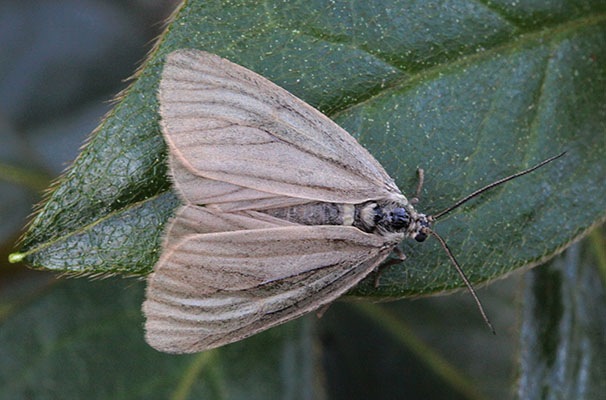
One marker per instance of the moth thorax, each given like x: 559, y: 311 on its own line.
x: 386, y: 218
x: 371, y: 217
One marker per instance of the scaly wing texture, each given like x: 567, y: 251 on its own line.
x: 223, y: 196
x: 191, y: 219
x: 216, y: 288
x: 226, y: 123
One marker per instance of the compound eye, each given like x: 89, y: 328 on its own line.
x: 420, y: 237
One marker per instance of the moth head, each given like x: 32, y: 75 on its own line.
x: 422, y: 224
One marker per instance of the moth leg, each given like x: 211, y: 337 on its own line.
x: 399, y: 254
x: 399, y: 257
x: 421, y: 174
x: 320, y: 311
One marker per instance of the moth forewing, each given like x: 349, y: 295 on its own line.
x: 222, y: 196
x: 227, y: 123
x: 198, y: 190
x: 191, y: 219
x: 211, y: 289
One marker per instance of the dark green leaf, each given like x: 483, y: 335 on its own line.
x: 469, y: 92
x: 84, y: 340
x: 563, y: 346
x: 436, y: 347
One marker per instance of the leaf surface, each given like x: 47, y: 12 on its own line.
x: 467, y: 91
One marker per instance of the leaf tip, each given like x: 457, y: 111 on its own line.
x: 16, y: 257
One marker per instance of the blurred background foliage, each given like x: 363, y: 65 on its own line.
x: 60, y: 65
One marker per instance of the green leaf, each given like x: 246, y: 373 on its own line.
x: 470, y: 92
x: 84, y: 340
x: 562, y: 341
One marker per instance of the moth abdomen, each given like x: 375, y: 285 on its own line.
x: 316, y: 213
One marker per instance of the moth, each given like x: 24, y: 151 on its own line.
x: 283, y: 211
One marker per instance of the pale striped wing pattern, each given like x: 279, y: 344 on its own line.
x: 225, y: 123
x: 223, y: 196
x: 238, y: 144
x: 191, y: 219
x: 216, y: 288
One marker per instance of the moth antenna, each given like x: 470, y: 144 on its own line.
x: 462, y: 275
x: 493, y: 184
